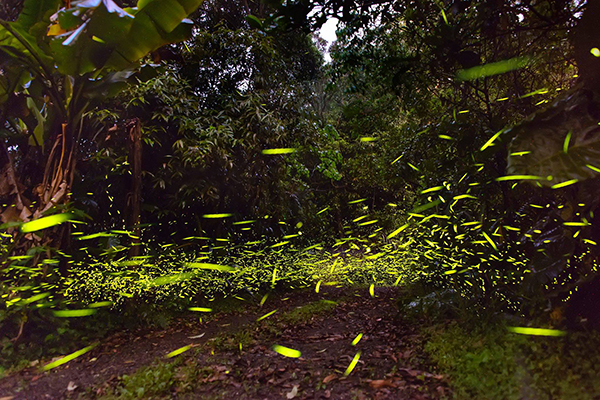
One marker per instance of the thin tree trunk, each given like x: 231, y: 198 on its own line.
x: 135, y: 160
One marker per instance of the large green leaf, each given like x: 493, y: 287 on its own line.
x: 82, y: 56
x: 16, y: 44
x: 136, y: 48
x: 189, y: 6
x: 166, y: 14
x: 141, y: 39
x: 13, y: 80
x: 563, y: 142
x: 101, y: 24
x: 113, y: 38
x: 109, y: 86
x: 158, y: 23
x: 119, y: 23
x: 4, y: 89
x: 9, y: 42
x: 35, y: 15
x: 37, y: 136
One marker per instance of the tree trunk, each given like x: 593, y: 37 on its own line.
x: 135, y: 160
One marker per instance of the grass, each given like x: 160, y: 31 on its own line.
x: 231, y: 342
x: 158, y: 380
x: 307, y: 312
x: 147, y: 382
x: 488, y: 362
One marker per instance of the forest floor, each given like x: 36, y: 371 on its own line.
x: 231, y: 355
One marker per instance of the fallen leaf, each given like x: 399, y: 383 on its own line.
x: 33, y: 364
x: 381, y: 383
x: 411, y: 372
x: 197, y: 336
x: 220, y: 374
x: 407, y: 354
x: 360, y: 395
x: 434, y: 376
x: 329, y: 378
x: 71, y: 386
x: 421, y: 374
x: 7, y: 398
x: 216, y: 377
x: 292, y: 393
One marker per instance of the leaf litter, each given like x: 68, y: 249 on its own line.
x: 387, y: 362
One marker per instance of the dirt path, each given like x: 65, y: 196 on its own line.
x: 234, y: 357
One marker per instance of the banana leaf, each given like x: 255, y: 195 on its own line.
x: 115, y: 38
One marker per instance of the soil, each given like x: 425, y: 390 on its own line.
x: 391, y: 364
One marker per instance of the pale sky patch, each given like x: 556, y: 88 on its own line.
x: 327, y: 32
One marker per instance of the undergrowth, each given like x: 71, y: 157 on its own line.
x: 173, y: 280
x: 158, y: 380
x: 151, y: 292
x: 489, y: 362
x: 306, y: 312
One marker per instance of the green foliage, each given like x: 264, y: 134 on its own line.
x: 147, y: 383
x: 306, y: 312
x: 490, y: 363
x: 133, y: 33
x: 496, y: 243
x: 561, y: 143
x: 206, y: 126
x: 399, y: 162
x: 160, y: 380
x: 185, y: 285
x: 56, y: 69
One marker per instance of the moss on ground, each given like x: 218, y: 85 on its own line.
x: 493, y: 363
x: 307, y: 312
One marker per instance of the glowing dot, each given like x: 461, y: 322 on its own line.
x: 595, y: 52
